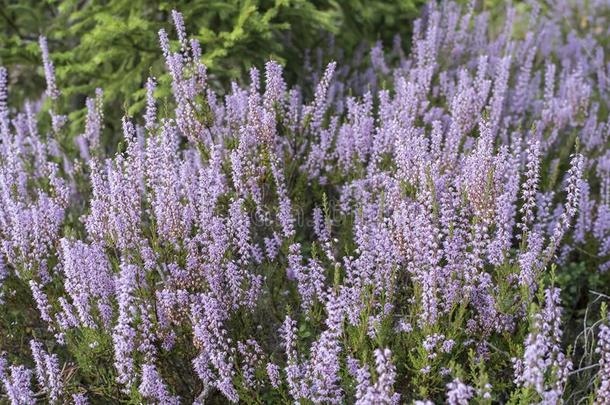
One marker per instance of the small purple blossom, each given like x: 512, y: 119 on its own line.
x: 459, y: 393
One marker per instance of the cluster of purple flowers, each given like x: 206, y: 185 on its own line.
x: 438, y: 206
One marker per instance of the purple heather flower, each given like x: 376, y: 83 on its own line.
x: 124, y: 334
x: 173, y: 217
x: 382, y: 391
x: 210, y: 334
x: 544, y: 367
x: 96, y: 285
x: 529, y: 262
x: 49, y: 69
x: 153, y: 388
x: 180, y: 29
x: 377, y: 59
x: 603, y: 349
x: 151, y: 109
x: 320, y: 103
x: 48, y: 371
x: 17, y: 383
x: 275, y: 88
x: 496, y: 104
x: 530, y: 186
x: 459, y: 393
x: 285, y: 216
x: 239, y: 224
x: 324, y: 366
x: 574, y: 178
x: 273, y: 372
x: 80, y: 399
x: 4, y: 112
x: 252, y: 356
x: 42, y: 302
x: 94, y: 120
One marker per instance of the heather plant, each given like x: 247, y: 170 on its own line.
x: 430, y: 227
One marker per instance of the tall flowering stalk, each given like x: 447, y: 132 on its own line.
x: 544, y: 367
x: 573, y: 188
x: 382, y: 391
x: 49, y: 69
x: 48, y: 372
x: 603, y: 349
